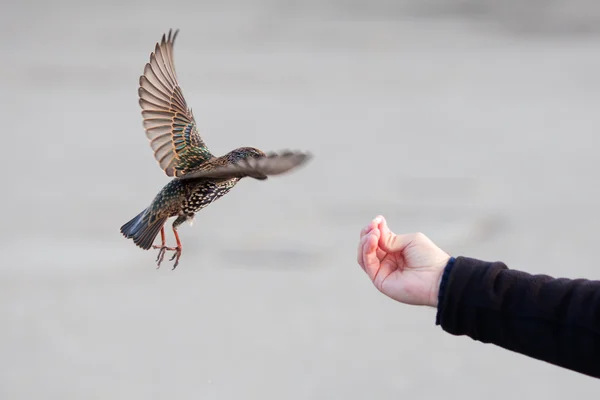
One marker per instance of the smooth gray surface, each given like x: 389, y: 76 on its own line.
x: 458, y: 123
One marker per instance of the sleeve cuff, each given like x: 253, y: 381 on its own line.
x: 442, y: 289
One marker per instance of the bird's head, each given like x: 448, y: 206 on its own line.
x: 244, y: 153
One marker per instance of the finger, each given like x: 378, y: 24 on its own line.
x: 396, y: 243
x: 383, y: 227
x: 365, y: 230
x: 359, y: 252
x: 361, y: 249
x: 370, y: 259
x: 372, y: 225
x: 377, y: 221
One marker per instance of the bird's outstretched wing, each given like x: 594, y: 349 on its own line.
x: 258, y: 168
x: 168, y: 121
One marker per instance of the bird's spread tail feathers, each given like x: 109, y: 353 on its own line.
x: 142, y: 231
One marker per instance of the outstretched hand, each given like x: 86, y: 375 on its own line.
x: 407, y: 268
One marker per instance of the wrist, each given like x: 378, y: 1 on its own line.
x: 437, y: 283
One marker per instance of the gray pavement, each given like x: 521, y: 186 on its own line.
x: 474, y: 123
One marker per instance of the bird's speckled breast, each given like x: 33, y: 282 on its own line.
x: 186, y: 197
x: 204, y: 192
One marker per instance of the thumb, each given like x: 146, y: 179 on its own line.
x: 390, y: 242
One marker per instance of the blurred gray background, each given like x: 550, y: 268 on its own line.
x: 475, y: 122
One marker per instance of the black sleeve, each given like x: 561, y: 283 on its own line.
x: 554, y: 320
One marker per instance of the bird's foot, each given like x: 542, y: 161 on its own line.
x: 161, y: 253
x: 176, y: 256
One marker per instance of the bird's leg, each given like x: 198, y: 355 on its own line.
x: 163, y: 247
x: 177, y: 249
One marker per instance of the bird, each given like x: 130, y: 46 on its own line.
x: 198, y: 177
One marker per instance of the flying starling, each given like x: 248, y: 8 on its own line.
x: 199, y: 178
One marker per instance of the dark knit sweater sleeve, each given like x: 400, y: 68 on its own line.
x: 554, y: 320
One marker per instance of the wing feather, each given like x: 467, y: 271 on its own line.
x: 168, y: 121
x: 258, y: 168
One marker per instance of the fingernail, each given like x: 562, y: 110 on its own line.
x: 377, y: 219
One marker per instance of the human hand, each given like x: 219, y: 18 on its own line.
x: 407, y: 268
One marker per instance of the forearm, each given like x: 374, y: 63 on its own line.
x: 554, y: 320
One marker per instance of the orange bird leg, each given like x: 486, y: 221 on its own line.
x: 163, y: 247
x: 163, y: 239
x: 177, y: 249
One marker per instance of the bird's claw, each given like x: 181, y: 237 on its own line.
x: 161, y: 254
x: 176, y: 256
